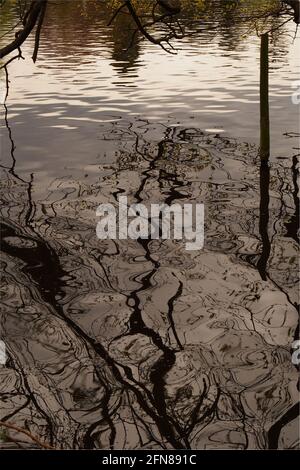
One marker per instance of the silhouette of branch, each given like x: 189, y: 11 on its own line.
x: 169, y: 13
x: 38, y: 31
x: 116, y: 14
x: 295, y: 6
x: 4, y: 67
x: 30, y: 21
x: 27, y: 433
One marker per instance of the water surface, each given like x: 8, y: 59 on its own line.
x: 132, y: 344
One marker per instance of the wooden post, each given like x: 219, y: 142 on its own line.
x: 264, y: 98
x: 264, y: 155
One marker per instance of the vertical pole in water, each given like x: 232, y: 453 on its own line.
x: 264, y: 156
x: 264, y: 98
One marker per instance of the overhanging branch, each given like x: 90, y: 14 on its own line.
x: 36, y: 8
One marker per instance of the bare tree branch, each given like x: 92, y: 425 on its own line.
x: 30, y: 22
x: 27, y: 433
x: 38, y: 31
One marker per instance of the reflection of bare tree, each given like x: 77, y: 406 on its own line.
x: 126, y: 45
x: 138, y: 344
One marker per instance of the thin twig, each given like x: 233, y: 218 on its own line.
x: 27, y: 433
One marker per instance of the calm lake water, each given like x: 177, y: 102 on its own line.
x: 142, y: 344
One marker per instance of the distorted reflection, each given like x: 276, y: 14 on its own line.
x: 140, y: 343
